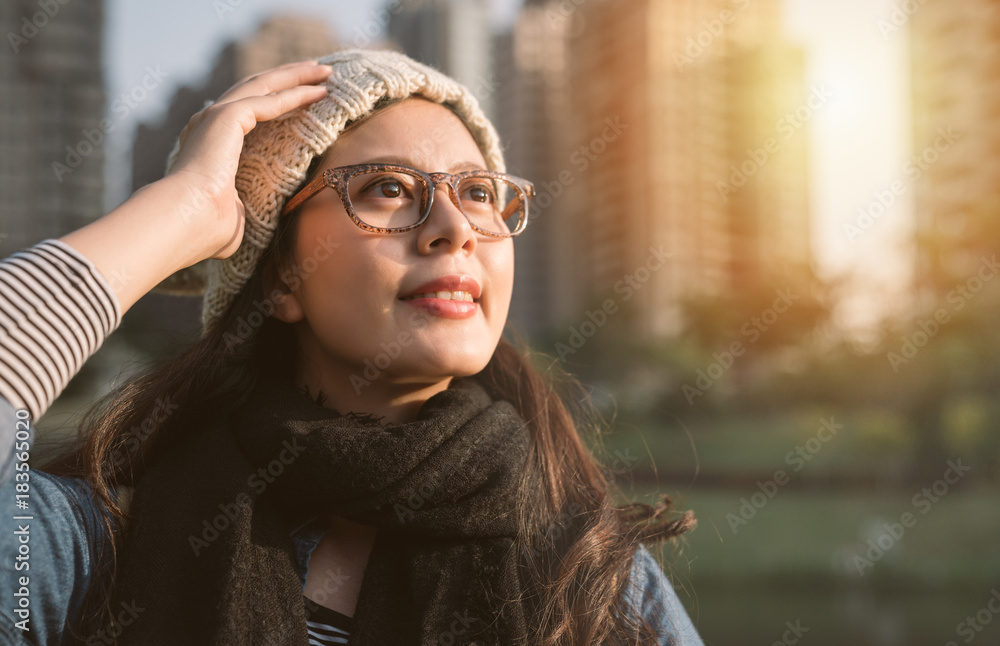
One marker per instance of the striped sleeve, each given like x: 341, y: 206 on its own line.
x: 56, y: 309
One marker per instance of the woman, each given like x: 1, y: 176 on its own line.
x: 351, y: 453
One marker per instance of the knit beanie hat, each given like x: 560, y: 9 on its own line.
x: 277, y: 154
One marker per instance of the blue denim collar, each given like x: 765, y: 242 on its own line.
x: 306, y: 537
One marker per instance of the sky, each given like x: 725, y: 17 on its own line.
x: 858, y: 141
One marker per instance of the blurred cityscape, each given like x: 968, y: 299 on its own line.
x: 670, y: 265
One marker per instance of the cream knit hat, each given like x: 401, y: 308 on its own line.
x: 276, y: 157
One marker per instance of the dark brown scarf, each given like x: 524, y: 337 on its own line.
x: 208, y: 557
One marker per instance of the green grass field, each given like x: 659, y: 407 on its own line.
x: 817, y: 535
x: 861, y: 444
x: 793, y: 562
x: 793, y: 559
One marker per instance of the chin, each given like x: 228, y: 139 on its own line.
x: 439, y: 367
x: 464, y: 369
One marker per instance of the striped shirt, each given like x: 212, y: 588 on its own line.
x: 326, y: 626
x: 72, y: 310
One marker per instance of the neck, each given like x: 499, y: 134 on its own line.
x: 396, y: 401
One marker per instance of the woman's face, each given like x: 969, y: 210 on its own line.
x: 354, y: 322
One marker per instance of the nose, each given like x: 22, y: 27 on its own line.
x: 446, y: 226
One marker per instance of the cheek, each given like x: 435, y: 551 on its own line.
x: 348, y: 291
x: 326, y: 262
x: 503, y: 260
x: 499, y: 266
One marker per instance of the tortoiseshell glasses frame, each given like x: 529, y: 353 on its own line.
x: 339, y: 178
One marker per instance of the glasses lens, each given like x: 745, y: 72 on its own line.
x: 493, y: 205
x: 387, y: 199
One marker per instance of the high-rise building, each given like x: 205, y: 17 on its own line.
x: 671, y: 101
x: 769, y: 107
x: 453, y: 36
x: 52, y: 120
x: 531, y: 103
x: 955, y: 58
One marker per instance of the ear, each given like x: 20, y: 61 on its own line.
x: 287, y: 306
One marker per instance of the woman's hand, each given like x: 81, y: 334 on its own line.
x: 194, y: 212
x: 211, y: 142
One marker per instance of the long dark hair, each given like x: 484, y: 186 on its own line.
x: 576, y: 551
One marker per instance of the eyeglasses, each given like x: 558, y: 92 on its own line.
x: 387, y: 198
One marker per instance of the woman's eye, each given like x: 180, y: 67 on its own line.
x: 390, y: 189
x: 385, y: 188
x: 480, y: 194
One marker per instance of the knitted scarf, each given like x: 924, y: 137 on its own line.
x: 208, y: 559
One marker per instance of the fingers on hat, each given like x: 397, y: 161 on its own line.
x: 274, y: 105
x: 276, y: 80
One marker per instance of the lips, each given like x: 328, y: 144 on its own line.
x: 452, y: 284
x: 449, y: 297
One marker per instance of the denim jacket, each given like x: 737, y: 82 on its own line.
x: 48, y: 524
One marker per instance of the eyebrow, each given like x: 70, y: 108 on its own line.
x: 401, y: 161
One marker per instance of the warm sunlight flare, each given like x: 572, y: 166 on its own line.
x: 862, y: 194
